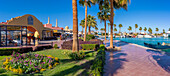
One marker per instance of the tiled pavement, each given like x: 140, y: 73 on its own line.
x: 136, y: 61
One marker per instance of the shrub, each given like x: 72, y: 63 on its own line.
x: 38, y: 48
x: 9, y: 51
x: 89, y: 37
x: 90, y: 46
x: 98, y: 63
x: 56, y: 46
x: 81, y: 38
x: 102, y: 47
x: 68, y: 44
x: 77, y: 55
x: 29, y: 63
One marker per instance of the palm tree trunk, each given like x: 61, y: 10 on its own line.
x: 111, y: 24
x: 119, y: 30
x: 75, y: 46
x: 82, y: 30
x: 89, y: 31
x: 105, y: 28
x: 135, y: 30
x: 108, y: 30
x: 85, y: 21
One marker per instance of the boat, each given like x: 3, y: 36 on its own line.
x: 147, y: 36
x: 167, y: 35
x: 168, y: 44
x: 157, y: 46
x: 140, y: 36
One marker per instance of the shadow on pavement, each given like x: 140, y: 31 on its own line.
x: 114, y: 62
x: 118, y: 44
x: 162, y: 60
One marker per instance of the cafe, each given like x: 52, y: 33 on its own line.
x: 22, y: 31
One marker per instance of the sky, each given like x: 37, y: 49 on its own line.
x: 145, y: 13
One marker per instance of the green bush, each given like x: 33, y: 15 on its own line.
x: 81, y: 38
x: 77, y: 55
x: 98, y: 63
x: 102, y: 47
x: 9, y: 51
x: 90, y: 46
x: 56, y: 46
x: 89, y: 37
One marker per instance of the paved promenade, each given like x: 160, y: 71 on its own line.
x: 134, y: 60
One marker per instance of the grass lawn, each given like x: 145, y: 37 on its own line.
x: 67, y: 66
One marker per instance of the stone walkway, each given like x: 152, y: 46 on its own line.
x: 134, y: 60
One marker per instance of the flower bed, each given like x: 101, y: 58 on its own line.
x: 29, y: 63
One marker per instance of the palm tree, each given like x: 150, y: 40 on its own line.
x: 115, y: 29
x: 145, y: 29
x: 86, y: 3
x: 75, y: 46
x: 104, y: 15
x: 136, y: 26
x: 140, y: 29
x: 91, y: 22
x: 102, y: 29
x: 82, y: 24
x: 130, y: 28
x: 169, y: 29
x: 108, y: 28
x: 114, y: 26
x: 96, y: 28
x: 150, y: 30
x: 113, y: 4
x: 120, y: 26
x: 163, y: 30
x: 157, y: 30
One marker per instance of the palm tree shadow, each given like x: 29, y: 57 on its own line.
x: 63, y: 61
x: 40, y: 74
x: 75, y: 68
x: 163, y: 61
x: 2, y: 71
x: 114, y: 63
x: 153, y: 51
x: 118, y: 44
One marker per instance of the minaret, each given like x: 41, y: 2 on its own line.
x: 48, y: 20
x: 56, y: 23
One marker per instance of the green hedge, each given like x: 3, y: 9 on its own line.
x: 9, y: 51
x: 55, y: 46
x: 98, y: 63
x: 89, y: 37
x: 90, y: 46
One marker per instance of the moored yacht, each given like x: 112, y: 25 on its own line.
x: 140, y: 36
x: 147, y: 36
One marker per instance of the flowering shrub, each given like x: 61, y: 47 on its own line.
x: 29, y: 63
